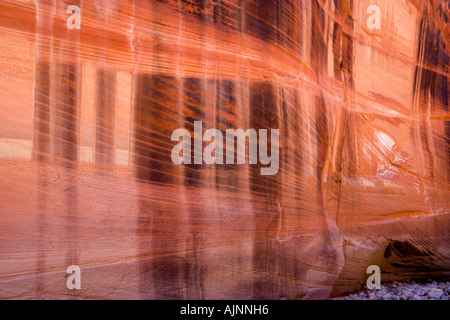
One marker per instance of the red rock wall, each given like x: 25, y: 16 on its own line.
x: 85, y: 147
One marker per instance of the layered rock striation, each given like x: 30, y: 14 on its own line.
x: 357, y: 93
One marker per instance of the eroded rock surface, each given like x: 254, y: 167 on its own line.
x: 86, y: 173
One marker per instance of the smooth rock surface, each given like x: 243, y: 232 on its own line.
x: 86, y: 176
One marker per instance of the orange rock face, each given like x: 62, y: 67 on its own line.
x: 92, y: 95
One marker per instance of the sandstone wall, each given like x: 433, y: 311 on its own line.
x: 86, y: 119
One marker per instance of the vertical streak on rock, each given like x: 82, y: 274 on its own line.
x: 156, y: 101
x: 431, y: 94
x: 41, y: 138
x: 242, y: 115
x: 192, y: 111
x: 56, y: 115
x: 226, y: 118
x: 65, y: 108
x: 154, y: 115
x: 183, y: 210
x: 152, y: 123
x: 280, y: 229
x: 318, y: 46
x: 346, y: 67
x: 105, y: 116
x: 331, y: 257
x: 42, y: 130
x: 343, y: 159
x: 284, y: 183
x: 336, y: 43
x: 260, y: 19
x: 66, y: 52
x: 106, y: 90
x: 264, y: 114
x: 196, y: 108
x: 193, y: 106
x: 320, y: 128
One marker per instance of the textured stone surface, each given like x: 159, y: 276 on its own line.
x: 403, y: 291
x: 86, y: 176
